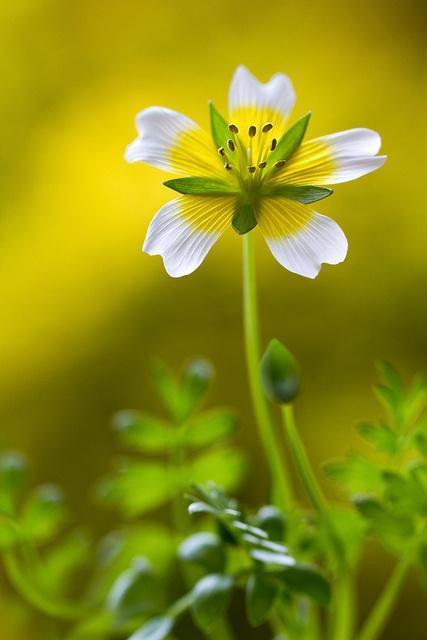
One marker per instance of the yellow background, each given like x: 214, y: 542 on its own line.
x: 83, y: 311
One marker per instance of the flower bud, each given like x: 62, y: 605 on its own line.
x: 279, y: 373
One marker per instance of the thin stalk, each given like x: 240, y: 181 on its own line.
x: 279, y: 477
x: 379, y: 615
x: 308, y: 478
x: 344, y: 613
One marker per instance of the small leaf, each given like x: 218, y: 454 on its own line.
x: 290, y: 141
x: 226, y: 467
x: 135, y: 592
x: 195, y: 381
x: 143, y: 431
x: 306, y: 579
x: 208, y: 428
x: 380, y: 436
x: 261, y: 592
x: 205, y: 549
x: 306, y: 194
x: 199, y: 186
x: 13, y: 475
x: 393, y: 530
x: 63, y: 561
x: 155, y: 629
x: 137, y: 487
x: 273, y: 522
x: 355, y: 474
x: 244, y: 219
x: 44, y: 513
x: 219, y: 127
x: 211, y: 596
x: 272, y: 558
x: 279, y: 373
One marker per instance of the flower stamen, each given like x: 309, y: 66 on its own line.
x: 252, y: 131
x: 233, y: 128
x: 230, y: 145
x: 267, y: 127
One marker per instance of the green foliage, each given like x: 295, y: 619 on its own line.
x: 189, y: 441
x: 210, y: 598
x: 389, y: 488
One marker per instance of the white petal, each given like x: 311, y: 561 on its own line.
x: 246, y: 91
x: 185, y: 229
x: 352, y: 168
x: 158, y: 131
x: 322, y: 241
x: 353, y: 142
x: 300, y: 239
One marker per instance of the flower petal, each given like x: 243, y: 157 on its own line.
x: 185, y: 229
x: 299, y: 238
x: 253, y: 102
x: 170, y: 141
x: 335, y: 158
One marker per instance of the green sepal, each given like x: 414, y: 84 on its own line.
x: 306, y: 194
x: 290, y: 141
x: 201, y: 186
x: 219, y: 127
x: 244, y: 219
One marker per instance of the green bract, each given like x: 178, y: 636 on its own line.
x: 201, y: 186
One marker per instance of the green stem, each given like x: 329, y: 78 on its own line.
x: 308, y: 478
x: 280, y: 481
x: 35, y: 597
x: 343, y: 606
x: 379, y: 615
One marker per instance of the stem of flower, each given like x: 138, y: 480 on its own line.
x: 308, y: 478
x: 344, y: 608
x: 280, y: 481
x: 377, y: 619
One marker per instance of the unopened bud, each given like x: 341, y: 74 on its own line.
x: 279, y: 373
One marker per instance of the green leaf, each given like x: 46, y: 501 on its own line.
x: 63, y: 561
x: 13, y: 476
x: 261, y: 592
x: 404, y: 494
x: 135, y: 592
x: 209, y: 427
x: 44, y: 513
x: 226, y: 467
x: 355, y: 474
x: 200, y: 186
x: 137, y: 487
x: 205, y: 549
x: 272, y: 521
x: 143, y: 431
x: 307, y: 580
x: 306, y: 194
x: 380, y: 436
x: 195, y: 382
x: 244, y: 219
x: 211, y: 596
x: 290, y: 141
x: 219, y: 127
x: 155, y: 629
x: 392, y: 529
x: 272, y: 558
x: 279, y: 373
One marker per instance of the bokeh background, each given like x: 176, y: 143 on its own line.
x: 83, y: 311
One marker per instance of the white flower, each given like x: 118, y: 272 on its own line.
x: 253, y: 171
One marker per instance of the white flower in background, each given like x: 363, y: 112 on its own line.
x: 253, y: 171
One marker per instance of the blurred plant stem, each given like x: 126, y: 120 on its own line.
x: 379, y: 615
x: 280, y: 481
x: 344, y: 596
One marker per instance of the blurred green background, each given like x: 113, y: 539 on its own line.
x: 83, y: 311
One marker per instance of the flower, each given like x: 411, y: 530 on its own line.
x: 254, y: 171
